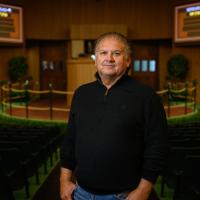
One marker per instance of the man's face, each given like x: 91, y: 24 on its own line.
x: 111, y: 58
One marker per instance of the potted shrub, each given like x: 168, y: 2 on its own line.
x: 17, y: 68
x: 177, y: 67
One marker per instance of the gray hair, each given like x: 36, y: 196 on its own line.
x: 117, y: 36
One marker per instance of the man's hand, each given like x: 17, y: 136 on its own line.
x: 66, y: 190
x: 66, y: 184
x: 142, y: 192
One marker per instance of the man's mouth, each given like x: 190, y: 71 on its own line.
x: 108, y: 65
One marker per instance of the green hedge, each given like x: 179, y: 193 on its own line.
x: 7, y: 120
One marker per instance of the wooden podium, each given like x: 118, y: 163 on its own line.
x: 79, y: 71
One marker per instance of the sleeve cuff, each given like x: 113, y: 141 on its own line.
x: 150, y: 175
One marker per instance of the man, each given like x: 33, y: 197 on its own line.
x: 116, y: 139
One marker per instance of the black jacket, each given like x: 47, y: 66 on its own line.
x: 115, y: 137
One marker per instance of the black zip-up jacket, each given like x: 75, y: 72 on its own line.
x: 115, y: 137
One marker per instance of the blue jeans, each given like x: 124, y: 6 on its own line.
x: 80, y: 194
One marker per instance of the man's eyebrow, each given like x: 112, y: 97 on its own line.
x: 109, y: 50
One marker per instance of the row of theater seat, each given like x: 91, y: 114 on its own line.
x: 23, y: 150
x: 182, y: 172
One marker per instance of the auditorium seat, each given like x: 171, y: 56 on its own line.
x: 5, y: 189
x: 184, y: 140
x: 189, y: 182
x: 13, y: 169
x: 176, y: 165
x: 27, y: 149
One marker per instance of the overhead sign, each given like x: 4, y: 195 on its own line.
x: 11, y: 24
x: 187, y: 23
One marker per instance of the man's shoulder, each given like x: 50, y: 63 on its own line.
x: 86, y: 86
x: 136, y: 86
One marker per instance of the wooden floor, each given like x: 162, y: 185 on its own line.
x: 177, y: 110
x: 41, y: 114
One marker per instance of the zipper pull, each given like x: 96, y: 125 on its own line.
x: 105, y: 95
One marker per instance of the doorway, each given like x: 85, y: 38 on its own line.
x: 144, y: 67
x: 53, y: 65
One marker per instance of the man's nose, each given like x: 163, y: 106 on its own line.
x: 110, y: 56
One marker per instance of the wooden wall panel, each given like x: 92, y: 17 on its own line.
x: 49, y: 19
x: 34, y: 63
x: 92, y: 31
x: 194, y: 62
x: 52, y: 19
x: 6, y: 53
x: 164, y: 54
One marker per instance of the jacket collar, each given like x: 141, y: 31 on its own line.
x: 124, y: 76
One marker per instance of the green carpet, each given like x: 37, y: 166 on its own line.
x: 168, y: 193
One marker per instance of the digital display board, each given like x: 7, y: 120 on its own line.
x: 187, y: 23
x: 11, y: 24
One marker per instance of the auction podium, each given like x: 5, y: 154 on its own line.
x: 79, y: 71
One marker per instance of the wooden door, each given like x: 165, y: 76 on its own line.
x: 53, y: 65
x: 144, y: 65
